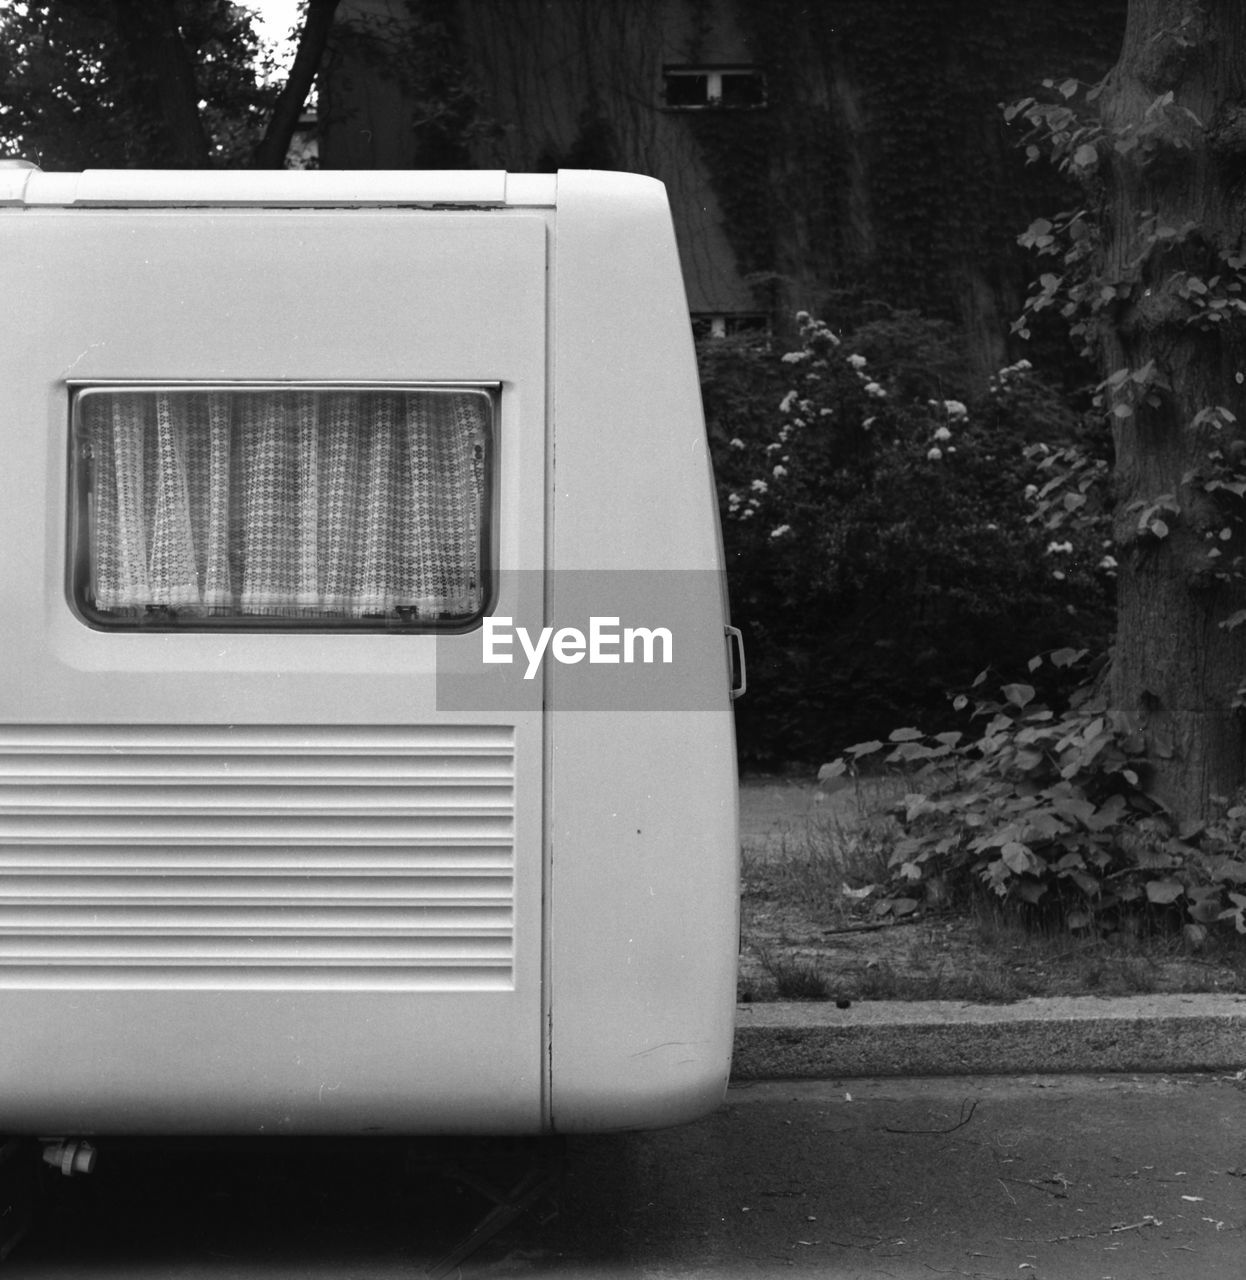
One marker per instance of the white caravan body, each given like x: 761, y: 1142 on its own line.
x: 259, y: 873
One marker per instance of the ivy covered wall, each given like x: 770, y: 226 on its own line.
x: 879, y: 169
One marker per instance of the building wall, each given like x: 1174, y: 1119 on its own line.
x: 541, y: 85
x: 877, y: 175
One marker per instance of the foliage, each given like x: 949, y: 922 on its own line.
x: 881, y: 542
x: 923, y: 357
x: 741, y: 144
x: 75, y: 92
x: 1049, y: 805
x: 1171, y: 275
x: 415, y: 48
x: 1066, y: 129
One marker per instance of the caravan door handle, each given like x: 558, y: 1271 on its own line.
x: 735, y: 662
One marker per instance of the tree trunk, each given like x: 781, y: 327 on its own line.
x: 275, y: 144
x: 1173, y: 161
x: 166, y: 85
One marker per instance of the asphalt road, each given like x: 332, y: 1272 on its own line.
x: 1038, y: 1178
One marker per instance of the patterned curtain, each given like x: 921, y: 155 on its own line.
x: 300, y: 504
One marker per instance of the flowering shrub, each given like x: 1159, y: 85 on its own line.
x: 881, y: 543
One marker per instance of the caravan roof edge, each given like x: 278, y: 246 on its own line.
x: 27, y: 186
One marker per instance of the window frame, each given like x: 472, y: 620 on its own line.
x: 713, y: 74
x: 159, y: 619
x: 714, y: 325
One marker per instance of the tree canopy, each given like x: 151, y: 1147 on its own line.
x: 126, y: 83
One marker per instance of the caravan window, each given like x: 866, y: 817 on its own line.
x: 205, y: 507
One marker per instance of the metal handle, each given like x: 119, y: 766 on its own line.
x: 736, y: 663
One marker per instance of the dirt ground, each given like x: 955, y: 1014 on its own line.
x: 823, y: 949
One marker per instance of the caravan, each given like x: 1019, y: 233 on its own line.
x: 293, y: 463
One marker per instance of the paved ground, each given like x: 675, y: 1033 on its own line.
x: 944, y: 1037
x: 1040, y: 1177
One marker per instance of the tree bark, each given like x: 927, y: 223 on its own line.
x: 168, y: 78
x: 1175, y: 203
x: 275, y: 144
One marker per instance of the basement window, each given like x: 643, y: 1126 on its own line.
x: 709, y: 324
x: 691, y: 88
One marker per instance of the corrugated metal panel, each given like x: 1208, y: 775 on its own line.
x: 257, y: 857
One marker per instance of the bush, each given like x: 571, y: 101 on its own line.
x: 881, y: 543
x: 1050, y: 808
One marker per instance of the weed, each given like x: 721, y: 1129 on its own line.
x: 830, y: 858
x: 795, y: 978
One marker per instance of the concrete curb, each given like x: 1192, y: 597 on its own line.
x: 1085, y: 1034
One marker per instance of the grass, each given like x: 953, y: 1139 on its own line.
x: 826, y: 855
x: 794, y: 978
x: 807, y: 933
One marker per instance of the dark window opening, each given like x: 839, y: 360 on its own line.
x: 707, y: 324
x: 691, y: 88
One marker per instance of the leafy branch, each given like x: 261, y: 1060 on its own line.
x: 1049, y: 806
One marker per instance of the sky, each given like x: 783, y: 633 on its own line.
x: 274, y: 18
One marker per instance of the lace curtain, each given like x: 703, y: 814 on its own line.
x: 304, y: 504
